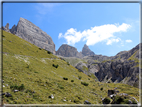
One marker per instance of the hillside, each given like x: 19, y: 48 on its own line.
x: 43, y: 78
x: 123, y: 67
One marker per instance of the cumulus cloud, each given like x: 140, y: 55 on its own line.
x: 110, y: 41
x: 95, y: 34
x: 128, y: 41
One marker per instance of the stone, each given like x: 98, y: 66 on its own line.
x: 52, y: 97
x: 3, y: 93
x: 129, y: 101
x: 111, y: 92
x: 86, y: 102
x: 82, y: 67
x: 16, y: 90
x: 7, y: 94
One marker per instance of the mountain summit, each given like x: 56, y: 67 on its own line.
x: 86, y: 51
x: 68, y: 51
x: 33, y: 34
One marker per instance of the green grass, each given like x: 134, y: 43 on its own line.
x: 24, y: 63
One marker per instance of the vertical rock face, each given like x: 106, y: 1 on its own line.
x: 6, y: 28
x: 86, y: 51
x: 68, y: 51
x: 13, y: 29
x: 33, y: 34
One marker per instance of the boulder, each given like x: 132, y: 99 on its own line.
x: 7, y: 94
x: 86, y: 102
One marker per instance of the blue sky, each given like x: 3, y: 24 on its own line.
x: 107, y: 28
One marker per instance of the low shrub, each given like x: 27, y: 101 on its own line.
x: 21, y: 87
x: 79, y: 77
x: 49, y: 52
x: 72, y: 80
x: 89, y: 75
x: 56, y: 66
x: 101, y: 88
x: 61, y: 87
x: 65, y: 78
x: 77, y: 101
x: 39, y: 48
x: 84, y: 83
x: 107, y: 100
x: 79, y: 70
x: 68, y: 63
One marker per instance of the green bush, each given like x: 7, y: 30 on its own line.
x: 107, y: 100
x: 89, y: 75
x: 61, y: 87
x: 118, y: 99
x: 77, y: 101
x: 101, y: 88
x: 68, y: 63
x: 39, y: 48
x: 134, y: 102
x: 65, y: 78
x: 49, y: 52
x: 56, y: 66
x: 84, y: 83
x: 72, y: 80
x: 79, y: 77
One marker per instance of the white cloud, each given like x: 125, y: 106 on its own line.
x: 95, y: 34
x: 128, y: 41
x: 60, y: 35
x: 110, y: 41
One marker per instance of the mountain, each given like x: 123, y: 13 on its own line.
x: 86, y: 51
x: 123, y: 67
x: 33, y: 34
x: 68, y: 51
x: 32, y: 75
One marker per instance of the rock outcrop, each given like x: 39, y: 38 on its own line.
x: 86, y: 51
x: 122, y: 98
x: 33, y: 34
x: 6, y: 28
x: 68, y: 51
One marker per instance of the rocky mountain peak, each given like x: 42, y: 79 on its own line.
x: 6, y: 28
x: 68, y: 51
x: 33, y: 34
x: 86, y: 51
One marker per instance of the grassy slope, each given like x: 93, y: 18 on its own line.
x: 24, y: 63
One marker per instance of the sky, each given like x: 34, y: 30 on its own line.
x: 107, y: 28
